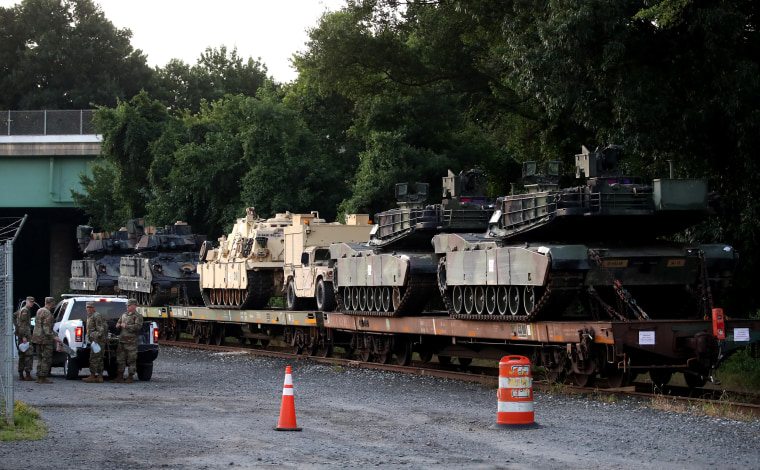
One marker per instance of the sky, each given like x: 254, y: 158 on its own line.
x: 272, y: 30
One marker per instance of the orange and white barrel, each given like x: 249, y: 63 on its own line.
x: 515, y: 393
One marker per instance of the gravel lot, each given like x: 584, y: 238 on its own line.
x: 210, y: 410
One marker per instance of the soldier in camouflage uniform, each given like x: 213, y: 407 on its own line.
x: 97, y: 333
x: 126, y: 353
x: 44, y: 337
x: 22, y: 320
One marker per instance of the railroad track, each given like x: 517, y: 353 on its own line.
x: 490, y: 377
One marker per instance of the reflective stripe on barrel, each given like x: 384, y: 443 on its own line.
x: 515, y: 391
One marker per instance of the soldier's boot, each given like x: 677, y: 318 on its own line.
x: 43, y: 380
x: 91, y: 378
x: 119, y: 377
x: 21, y: 375
x: 29, y: 377
x: 129, y: 379
x: 99, y: 379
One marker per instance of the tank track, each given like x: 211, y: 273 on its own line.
x: 257, y: 294
x: 415, y: 297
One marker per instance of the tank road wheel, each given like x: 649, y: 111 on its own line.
x: 363, y: 299
x: 502, y: 300
x: 529, y: 299
x: 386, y: 299
x: 355, y: 298
x: 397, y: 295
x: 370, y: 298
x: 491, y: 300
x: 660, y: 377
x: 457, y: 299
x: 514, y: 300
x: 377, y: 294
x: 469, y: 300
x: 325, y: 296
x: 480, y: 299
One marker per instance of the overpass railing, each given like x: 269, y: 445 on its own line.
x: 47, y: 122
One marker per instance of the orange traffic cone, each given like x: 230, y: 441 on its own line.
x: 288, y: 407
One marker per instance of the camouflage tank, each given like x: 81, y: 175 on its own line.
x: 163, y: 268
x: 98, y: 272
x: 246, y: 269
x: 394, y: 273
x: 596, y: 246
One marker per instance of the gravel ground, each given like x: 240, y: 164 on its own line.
x: 209, y: 410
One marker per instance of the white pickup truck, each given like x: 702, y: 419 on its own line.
x: 71, y: 323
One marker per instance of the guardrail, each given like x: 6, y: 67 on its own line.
x: 47, y: 122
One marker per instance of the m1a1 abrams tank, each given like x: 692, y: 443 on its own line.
x: 246, y: 269
x: 98, y: 272
x: 597, y: 243
x: 163, y: 268
x: 394, y: 274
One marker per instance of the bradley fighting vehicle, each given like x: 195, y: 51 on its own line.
x: 246, y: 269
x: 595, y: 247
x: 394, y: 274
x: 163, y: 268
x: 98, y: 272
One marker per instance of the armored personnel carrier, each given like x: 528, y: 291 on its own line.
x: 394, y: 273
x: 98, y: 272
x: 246, y: 269
x: 163, y: 268
x: 595, y: 247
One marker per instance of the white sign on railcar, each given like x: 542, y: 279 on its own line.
x: 646, y: 338
x: 741, y: 334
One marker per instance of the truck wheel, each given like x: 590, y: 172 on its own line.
x: 293, y: 302
x: 325, y: 296
x: 71, y: 368
x: 144, y: 373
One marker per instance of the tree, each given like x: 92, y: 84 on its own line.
x: 64, y: 54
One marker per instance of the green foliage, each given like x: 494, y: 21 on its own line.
x: 26, y: 424
x: 64, y: 54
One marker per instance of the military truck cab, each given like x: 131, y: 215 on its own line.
x: 309, y: 270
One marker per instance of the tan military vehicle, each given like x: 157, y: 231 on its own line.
x: 245, y: 270
x: 309, y: 271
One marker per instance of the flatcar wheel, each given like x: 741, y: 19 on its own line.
x: 464, y: 361
x: 502, y: 300
x: 618, y: 379
x: 444, y: 360
x: 264, y: 343
x: 384, y: 358
x: 324, y: 350
x: 457, y: 298
x: 365, y: 354
x: 514, y: 300
x: 694, y: 380
x: 469, y: 300
x: 425, y: 355
x: 529, y: 299
x: 386, y: 299
x: 197, y: 337
x: 403, y: 352
x: 219, y: 335
x: 491, y: 300
x: 480, y: 299
x: 660, y: 377
x: 582, y: 380
x: 555, y: 376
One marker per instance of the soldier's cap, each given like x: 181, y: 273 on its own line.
x: 132, y: 302
x: 49, y: 300
x: 30, y: 299
x: 89, y: 304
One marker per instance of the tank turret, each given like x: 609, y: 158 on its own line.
x: 246, y: 267
x: 98, y: 272
x: 163, y: 267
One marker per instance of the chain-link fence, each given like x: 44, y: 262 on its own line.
x: 9, y: 230
x: 47, y: 122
